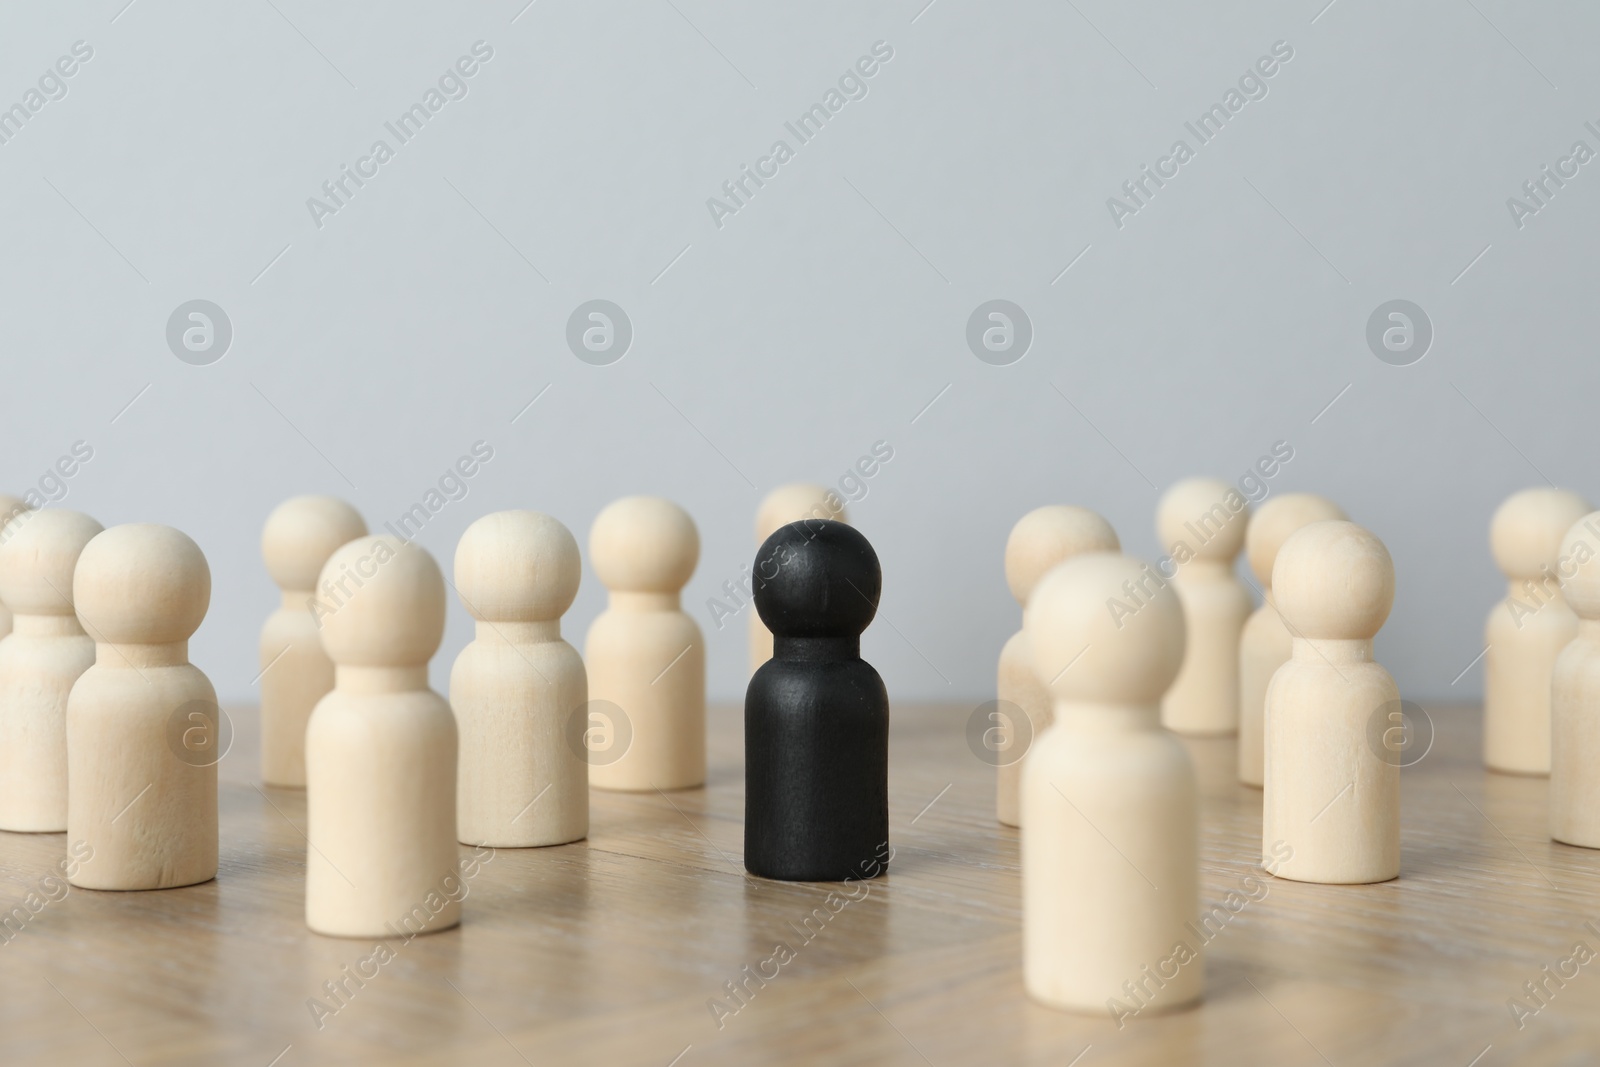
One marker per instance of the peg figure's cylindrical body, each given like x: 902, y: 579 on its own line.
x: 1528, y: 629
x: 1265, y: 643
x: 143, y: 726
x: 299, y: 536
x: 1110, y: 838
x: 1041, y: 539
x: 40, y: 660
x: 381, y: 753
x: 1331, y: 800
x: 645, y: 656
x: 1575, y: 695
x: 816, y: 716
x: 518, y: 690
x: 1201, y: 523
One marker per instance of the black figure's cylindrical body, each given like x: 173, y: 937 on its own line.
x: 816, y: 716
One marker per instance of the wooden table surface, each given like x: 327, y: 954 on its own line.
x: 608, y: 951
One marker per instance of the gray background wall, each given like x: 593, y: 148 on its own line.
x: 1226, y: 315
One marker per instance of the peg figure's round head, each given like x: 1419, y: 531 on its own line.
x: 1084, y: 647
x: 380, y: 603
x: 1333, y: 581
x: 1526, y: 531
x: 644, y: 544
x: 38, y: 555
x: 517, y: 566
x: 1050, y: 535
x: 1271, y: 525
x: 799, y: 500
x: 1207, y: 515
x: 300, y: 535
x: 141, y: 584
x: 817, y: 578
x: 1578, y: 566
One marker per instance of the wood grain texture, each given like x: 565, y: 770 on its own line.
x: 606, y: 951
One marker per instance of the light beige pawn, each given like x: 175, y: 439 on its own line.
x: 521, y: 780
x: 1110, y: 835
x: 1575, y: 694
x: 300, y: 535
x: 1266, y: 643
x: 1332, y: 795
x: 10, y: 507
x: 1528, y: 629
x: 646, y: 658
x: 381, y: 749
x: 45, y: 653
x: 1041, y: 539
x: 785, y: 504
x: 142, y: 722
x: 1201, y: 523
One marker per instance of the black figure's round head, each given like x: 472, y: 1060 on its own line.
x: 817, y: 578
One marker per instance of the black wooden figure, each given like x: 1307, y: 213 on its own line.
x: 816, y: 715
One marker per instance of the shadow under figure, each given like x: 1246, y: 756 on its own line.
x: 816, y: 716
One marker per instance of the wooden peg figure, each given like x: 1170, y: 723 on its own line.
x: 1331, y: 801
x: 1528, y: 629
x: 381, y: 751
x: 645, y: 656
x: 41, y: 659
x: 1110, y: 835
x: 1201, y: 522
x: 786, y: 504
x: 1041, y: 539
x: 300, y: 535
x: 1266, y: 643
x: 1575, y: 694
x: 142, y: 722
x: 520, y: 782
x: 816, y: 716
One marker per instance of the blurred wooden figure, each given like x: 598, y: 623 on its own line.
x: 143, y: 726
x: 1041, y: 539
x: 645, y: 657
x: 1528, y: 629
x: 43, y: 656
x: 1201, y: 523
x: 1266, y: 644
x: 1575, y: 694
x: 1331, y: 798
x: 785, y: 504
x: 300, y: 535
x: 381, y: 751
x: 518, y: 690
x: 1110, y: 835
